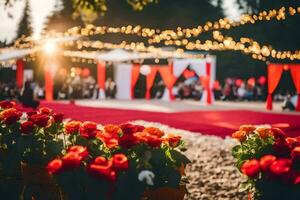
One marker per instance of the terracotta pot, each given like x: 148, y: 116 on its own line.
x: 165, y: 193
x: 35, y: 174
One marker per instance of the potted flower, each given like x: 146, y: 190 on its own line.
x: 271, y: 161
x: 119, y: 162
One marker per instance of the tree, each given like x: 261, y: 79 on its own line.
x: 24, y: 25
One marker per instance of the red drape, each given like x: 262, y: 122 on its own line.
x: 101, y: 75
x: 168, y: 78
x: 208, y: 88
x: 149, y: 81
x: 295, y: 72
x: 274, y: 75
x: 19, y: 73
x: 48, y: 85
x: 135, y: 73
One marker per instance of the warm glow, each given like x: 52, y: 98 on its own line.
x: 49, y: 47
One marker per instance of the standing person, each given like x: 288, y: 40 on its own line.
x: 27, y: 97
x: 110, y: 88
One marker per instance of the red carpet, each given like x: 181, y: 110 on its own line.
x: 220, y: 123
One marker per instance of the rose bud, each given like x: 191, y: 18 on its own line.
x: 6, y: 104
x: 130, y: 128
x: 251, y: 168
x: 40, y: 120
x: 296, y: 154
x: 247, y: 128
x: 266, y: 161
x: 88, y: 130
x: 240, y: 135
x: 72, y: 160
x: 72, y: 127
x: 120, y: 162
x: 54, y: 166
x: 280, y: 166
x: 173, y: 140
x: 27, y: 127
x: 154, y: 131
x: 80, y: 150
x: 45, y: 111
x: 101, y: 167
x: 128, y: 141
x: 264, y: 132
x: 58, y: 117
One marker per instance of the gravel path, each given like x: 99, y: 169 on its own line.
x: 212, y: 174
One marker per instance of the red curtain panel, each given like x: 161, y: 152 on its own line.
x: 295, y: 72
x: 208, y: 88
x: 168, y: 78
x: 149, y: 81
x: 19, y: 73
x: 101, y: 75
x: 48, y: 85
x: 274, y: 75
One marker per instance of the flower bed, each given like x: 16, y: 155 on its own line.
x: 83, y: 160
x: 271, y: 161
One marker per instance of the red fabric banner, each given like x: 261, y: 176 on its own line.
x: 101, y: 75
x: 20, y: 73
x: 168, y: 78
x: 274, y: 75
x: 295, y: 72
x: 135, y: 73
x: 48, y: 85
x: 208, y: 88
x: 149, y: 81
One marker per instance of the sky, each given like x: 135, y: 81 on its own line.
x: 40, y: 10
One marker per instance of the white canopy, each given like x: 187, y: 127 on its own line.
x: 9, y: 54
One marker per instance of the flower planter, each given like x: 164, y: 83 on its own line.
x: 165, y: 193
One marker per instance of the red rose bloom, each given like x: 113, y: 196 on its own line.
x: 27, y: 127
x: 113, y: 130
x: 101, y: 167
x: 46, y: 111
x: 153, y: 141
x: 58, y: 117
x: 173, y: 140
x: 40, y: 120
x: 10, y: 116
x: 154, y: 131
x: 72, y: 160
x: 251, y: 168
x: 120, y: 162
x: 292, y: 142
x: 281, y: 166
x: 291, y: 177
x: 54, y: 166
x: 72, y: 127
x: 296, y: 154
x: 6, y: 104
x: 266, y: 161
x: 80, y: 150
x: 127, y: 141
x: 281, y: 148
x: 130, y: 128
x: 30, y: 113
x: 278, y: 134
x: 88, y: 130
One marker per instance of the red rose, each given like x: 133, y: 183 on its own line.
x: 72, y: 127
x: 291, y: 177
x: 281, y: 148
x: 127, y: 141
x: 6, y: 104
x: 120, y: 162
x: 296, y: 154
x: 54, y: 166
x: 88, y: 130
x: 40, y: 120
x: 46, y: 111
x: 153, y: 141
x: 80, y: 150
x: 266, y: 161
x: 10, y: 116
x: 58, y: 117
x: 27, y: 127
x: 101, y: 167
x: 113, y: 130
x: 251, y: 168
x: 30, y: 113
x: 72, y: 160
x: 278, y: 134
x: 281, y: 166
x: 154, y: 131
x: 130, y: 128
x: 173, y: 140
